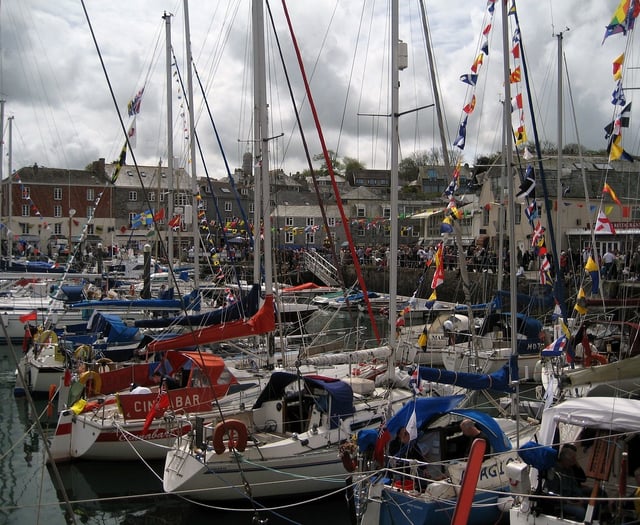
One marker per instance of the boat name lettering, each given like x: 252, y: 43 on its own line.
x: 494, y: 470
x: 186, y: 401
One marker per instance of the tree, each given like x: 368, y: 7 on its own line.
x: 324, y: 169
x: 351, y: 166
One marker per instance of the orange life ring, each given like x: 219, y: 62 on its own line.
x: 94, y: 382
x: 236, y: 430
x: 52, y: 392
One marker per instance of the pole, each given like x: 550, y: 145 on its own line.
x: 146, y: 272
x: 192, y: 141
x: 167, y: 24
x: 10, y: 175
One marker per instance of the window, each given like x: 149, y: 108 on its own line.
x: 57, y: 211
x: 24, y: 228
x: 288, y: 221
x: 360, y: 211
x: 57, y: 228
x: 132, y: 217
x: 151, y: 196
x: 202, y: 205
x: 26, y: 193
x: 90, y: 212
x: 360, y: 232
x: 386, y: 212
x: 228, y: 206
x: 162, y: 194
x: 635, y: 212
x: 90, y: 194
x: 309, y: 238
x: 181, y: 199
x: 289, y: 237
x: 310, y: 221
x: 57, y: 194
x: 133, y: 196
x: 90, y: 229
x: 331, y: 221
x: 251, y: 207
x: 518, y: 213
x: 26, y: 210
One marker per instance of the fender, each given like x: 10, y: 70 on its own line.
x: 95, y: 382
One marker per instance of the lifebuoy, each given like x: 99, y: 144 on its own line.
x: 52, y: 392
x: 104, y: 365
x: 236, y: 430
x: 95, y: 382
x: 46, y: 337
x: 83, y: 353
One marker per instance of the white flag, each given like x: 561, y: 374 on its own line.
x: 412, y: 425
x: 132, y: 133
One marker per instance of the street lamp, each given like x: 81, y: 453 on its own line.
x: 72, y: 212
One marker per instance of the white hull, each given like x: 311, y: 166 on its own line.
x: 294, y: 470
x: 486, y: 362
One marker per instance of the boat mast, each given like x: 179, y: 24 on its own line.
x: 261, y: 154
x: 10, y: 199
x: 192, y: 148
x: 508, y: 146
x: 393, y: 239
x: 559, y: 182
x: 169, y: 80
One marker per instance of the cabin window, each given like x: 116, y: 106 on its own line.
x: 57, y: 194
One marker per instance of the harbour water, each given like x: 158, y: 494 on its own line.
x: 117, y: 493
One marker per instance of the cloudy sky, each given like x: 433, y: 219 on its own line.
x: 64, y: 115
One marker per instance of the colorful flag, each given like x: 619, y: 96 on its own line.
x: 528, y: 186
x: 486, y: 30
x: 545, y: 271
x: 133, y: 107
x: 556, y: 347
x: 468, y: 109
x: 515, y: 50
x: 621, y: 122
x: 122, y: 160
x: 616, y: 151
x: 477, y: 63
x: 159, y: 216
x: 438, y: 274
x: 462, y: 134
x: 608, y: 189
x: 470, y: 79
x: 516, y: 102
x: 537, y: 234
x: 31, y: 316
x: 447, y: 225
x: 623, y: 19
x: 175, y: 222
x: 531, y: 211
x: 515, y: 76
x: 603, y: 224
x: 617, y: 97
x: 617, y: 67
x: 590, y: 265
x: 581, y: 302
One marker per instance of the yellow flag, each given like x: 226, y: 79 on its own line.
x: 433, y: 296
x: 591, y: 266
x: 563, y: 327
x: 581, y: 306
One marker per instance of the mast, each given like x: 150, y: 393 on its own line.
x: 559, y: 182
x: 262, y: 156
x: 257, y: 25
x: 393, y: 240
x: 508, y: 145
x: 192, y: 149
x: 10, y: 199
x: 167, y: 25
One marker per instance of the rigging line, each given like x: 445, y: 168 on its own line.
x: 173, y: 277
x: 346, y: 98
x: 559, y: 290
x: 305, y: 146
x: 248, y: 229
x: 345, y: 222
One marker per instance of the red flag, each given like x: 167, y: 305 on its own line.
x: 378, y: 453
x: 175, y: 222
x: 123, y: 229
x: 159, y: 216
x: 31, y: 316
x: 157, y: 410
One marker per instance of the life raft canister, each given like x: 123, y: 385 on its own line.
x: 236, y: 431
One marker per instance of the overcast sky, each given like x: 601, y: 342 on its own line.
x: 64, y: 115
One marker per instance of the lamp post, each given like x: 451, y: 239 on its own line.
x: 72, y: 212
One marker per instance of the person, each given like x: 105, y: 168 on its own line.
x: 399, y: 444
x: 608, y: 259
x: 427, y: 449
x: 565, y: 480
x: 469, y: 429
x: 135, y: 389
x: 163, y: 379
